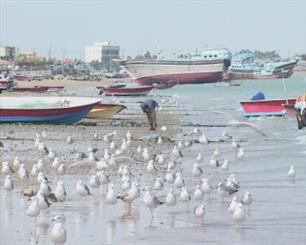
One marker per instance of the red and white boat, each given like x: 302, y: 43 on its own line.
x: 183, y: 69
x: 255, y: 108
x: 6, y: 83
x: 127, y: 91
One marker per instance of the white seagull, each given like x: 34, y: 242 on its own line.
x: 291, y: 173
x: 8, y: 183
x: 58, y: 231
x: 60, y: 191
x: 199, y: 211
x: 82, y: 189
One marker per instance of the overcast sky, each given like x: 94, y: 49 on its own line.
x: 68, y: 26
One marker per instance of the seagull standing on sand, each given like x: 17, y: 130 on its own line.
x: 58, y: 231
x: 171, y: 198
x: 69, y: 140
x: 179, y: 181
x: 169, y: 177
x: 185, y: 195
x: 23, y: 173
x: 33, y: 210
x: 16, y: 163
x: 291, y: 173
x: 60, y: 191
x: 240, y: 154
x: 43, y: 202
x: 8, y: 183
x: 199, y: 211
x: 6, y: 168
x: 40, y: 165
x: 82, y: 189
x: 198, y: 193
x: 158, y: 184
x: 55, y: 163
x: 151, y: 168
x: 206, y: 187
x: 61, y: 169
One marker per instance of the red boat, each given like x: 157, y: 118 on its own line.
x: 255, y: 108
x: 126, y: 91
x: 111, y: 86
x: 37, y: 89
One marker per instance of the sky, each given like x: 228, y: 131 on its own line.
x: 65, y: 27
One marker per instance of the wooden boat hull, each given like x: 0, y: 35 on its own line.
x: 141, y: 91
x: 105, y: 111
x: 45, y: 109
x: 265, y: 107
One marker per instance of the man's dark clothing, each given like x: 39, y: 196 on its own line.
x: 149, y: 107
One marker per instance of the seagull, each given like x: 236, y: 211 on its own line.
x: 69, y: 140
x: 23, y: 174
x: 159, y: 140
x: 58, y: 231
x: 106, y: 154
x: 199, y: 158
x: 41, y: 177
x: 239, y: 213
x: 94, y: 181
x: 45, y: 188
x: 197, y: 170
x: 180, y: 145
x: 132, y: 194
x: 185, y: 195
x: 40, y: 165
x: 16, y: 163
x: 151, y: 201
x: 170, y: 198
x: 199, y: 211
x: 216, y: 153
x: 225, y: 165
x: 51, y: 154
x: 44, y: 134
x: 233, y: 205
x: 139, y: 149
x: 112, y: 145
x: 226, y: 136
x: 8, y: 183
x: 111, y: 195
x: 60, y: 191
x: 179, y: 181
x: 123, y: 145
x: 34, y: 170
x: 95, y: 136
x: 43, y: 202
x: 158, y: 184
x: 33, y: 210
x: 103, y: 177
x: 176, y: 152
x: 82, y: 188
x: 150, y: 167
x: 291, y: 173
x: 203, y: 139
x: 145, y: 154
x: 198, y: 193
x: 128, y: 136
x: 247, y: 199
x: 169, y: 177
x: 206, y: 187
x: 125, y: 185
x: 160, y: 159
x: 6, y: 168
x: 42, y: 148
x: 91, y: 156
x: 163, y: 128
x: 55, y: 163
x: 61, y: 169
x: 102, y: 164
x: 213, y: 162
x: 240, y: 154
x: 235, y: 144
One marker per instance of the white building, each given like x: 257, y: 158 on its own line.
x: 94, y: 52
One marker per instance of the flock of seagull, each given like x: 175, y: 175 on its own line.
x: 160, y: 172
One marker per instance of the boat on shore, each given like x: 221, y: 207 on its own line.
x: 256, y: 108
x: 104, y: 111
x: 127, y: 91
x: 55, y: 110
x: 6, y: 83
x: 37, y: 89
x: 207, y: 67
x: 245, y: 66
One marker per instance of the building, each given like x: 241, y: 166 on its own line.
x: 103, y: 52
x: 9, y: 53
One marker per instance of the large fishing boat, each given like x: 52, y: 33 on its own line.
x: 245, y: 66
x: 207, y: 67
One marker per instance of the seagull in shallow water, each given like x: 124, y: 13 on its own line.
x: 169, y: 176
x: 43, y: 202
x: 225, y: 165
x: 197, y: 170
x: 239, y: 213
x: 158, y: 184
x: 111, y: 197
x: 198, y: 193
x: 179, y: 181
x: 233, y: 205
x: 82, y: 189
x: 240, y: 154
x: 8, y: 183
x: 58, y: 231
x: 247, y: 199
x: 291, y: 173
x: 151, y: 167
x: 69, y: 140
x: 94, y: 181
x: 185, y: 195
x: 206, y: 187
x: 199, y: 211
x: 171, y: 198
x: 203, y: 139
x: 151, y: 201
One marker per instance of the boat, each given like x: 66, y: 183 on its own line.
x: 6, y: 83
x: 207, y: 67
x: 111, y: 86
x: 300, y: 109
x: 36, y: 89
x: 104, y: 111
x: 127, y: 91
x: 166, y: 85
x: 255, y: 108
x: 31, y: 109
x: 245, y: 66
